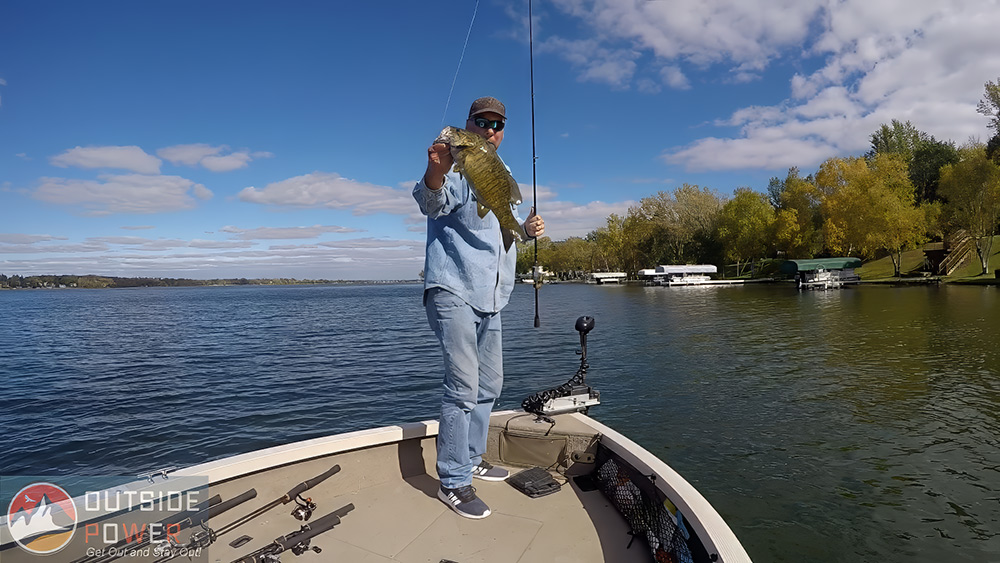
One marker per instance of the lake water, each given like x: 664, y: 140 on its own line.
x: 853, y: 425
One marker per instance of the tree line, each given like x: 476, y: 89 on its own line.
x: 94, y: 282
x: 908, y: 189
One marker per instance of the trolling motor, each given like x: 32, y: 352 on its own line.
x: 574, y: 395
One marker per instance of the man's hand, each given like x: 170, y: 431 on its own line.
x: 439, y: 161
x: 534, y: 226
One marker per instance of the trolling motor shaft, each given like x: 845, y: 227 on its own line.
x: 574, y: 395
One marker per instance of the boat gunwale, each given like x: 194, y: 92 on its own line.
x: 708, y: 524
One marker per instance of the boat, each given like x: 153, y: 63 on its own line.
x: 583, y: 493
x: 387, y: 476
x: 822, y: 273
x: 605, y: 278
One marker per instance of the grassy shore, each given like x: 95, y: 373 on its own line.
x: 970, y: 273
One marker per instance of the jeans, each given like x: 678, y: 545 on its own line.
x: 473, y: 375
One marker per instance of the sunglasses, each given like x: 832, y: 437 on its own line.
x: 484, y: 123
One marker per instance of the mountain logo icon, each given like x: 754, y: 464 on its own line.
x: 42, y: 518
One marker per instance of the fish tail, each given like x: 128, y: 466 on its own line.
x: 508, y: 239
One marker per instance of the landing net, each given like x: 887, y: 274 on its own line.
x: 642, y: 505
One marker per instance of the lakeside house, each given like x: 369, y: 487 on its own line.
x: 822, y: 273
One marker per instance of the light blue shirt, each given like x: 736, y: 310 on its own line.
x: 465, y: 254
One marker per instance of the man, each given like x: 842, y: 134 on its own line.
x: 468, y: 279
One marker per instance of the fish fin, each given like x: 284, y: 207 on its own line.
x: 515, y: 192
x: 483, y: 210
x: 508, y: 239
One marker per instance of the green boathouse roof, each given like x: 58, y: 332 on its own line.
x: 792, y: 267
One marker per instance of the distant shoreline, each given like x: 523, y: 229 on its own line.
x: 114, y: 282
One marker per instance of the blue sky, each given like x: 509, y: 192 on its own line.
x: 267, y: 139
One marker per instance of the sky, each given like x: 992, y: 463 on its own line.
x: 193, y: 139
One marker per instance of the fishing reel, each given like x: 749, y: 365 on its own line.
x: 304, y: 508
x: 203, y: 538
x: 574, y: 395
x: 303, y: 546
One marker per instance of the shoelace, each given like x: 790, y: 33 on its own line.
x: 466, y: 493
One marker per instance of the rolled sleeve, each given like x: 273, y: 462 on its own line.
x: 435, y: 203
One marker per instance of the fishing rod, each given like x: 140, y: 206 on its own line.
x: 303, y: 511
x: 210, y: 509
x: 297, y: 542
x: 166, y: 523
x: 534, y: 191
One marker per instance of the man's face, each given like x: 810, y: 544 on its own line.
x: 492, y: 135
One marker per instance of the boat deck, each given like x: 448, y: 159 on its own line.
x: 398, y: 517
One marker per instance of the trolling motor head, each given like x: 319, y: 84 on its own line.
x: 574, y: 395
x: 584, y: 325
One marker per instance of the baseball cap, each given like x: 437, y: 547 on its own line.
x: 487, y: 104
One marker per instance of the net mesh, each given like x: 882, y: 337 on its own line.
x: 642, y: 505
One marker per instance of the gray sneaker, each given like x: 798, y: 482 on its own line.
x: 464, y: 501
x: 488, y: 472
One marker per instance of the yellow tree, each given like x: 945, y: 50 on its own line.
x: 745, y: 224
x: 869, y: 207
x: 972, y: 192
x: 797, y: 215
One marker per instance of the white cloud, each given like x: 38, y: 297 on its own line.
x: 596, y: 63
x: 17, y: 238
x: 161, y: 245
x: 285, y: 233
x: 673, y: 76
x: 330, y: 190
x: 210, y: 157
x: 127, y: 158
x: 130, y: 193
x: 188, y: 155
x: 365, y: 258
x: 743, y: 33
x: 895, y: 59
x: 565, y: 219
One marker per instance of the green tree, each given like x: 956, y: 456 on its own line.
x: 744, y: 227
x: 925, y: 168
x: 797, y: 221
x: 681, y: 223
x: 990, y: 104
x: 993, y: 148
x: 898, y: 138
x: 971, y: 189
x: 610, y: 242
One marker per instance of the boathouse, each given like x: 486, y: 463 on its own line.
x: 679, y: 274
x: 822, y: 272
x: 601, y: 278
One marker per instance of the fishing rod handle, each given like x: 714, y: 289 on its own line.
x: 218, y: 509
x: 200, y: 507
x: 306, y: 485
x: 180, y: 518
x: 316, y: 528
x: 285, y: 543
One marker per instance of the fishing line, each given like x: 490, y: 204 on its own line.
x: 460, y: 59
x: 534, y: 191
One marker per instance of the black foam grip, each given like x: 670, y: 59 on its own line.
x: 306, y: 485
